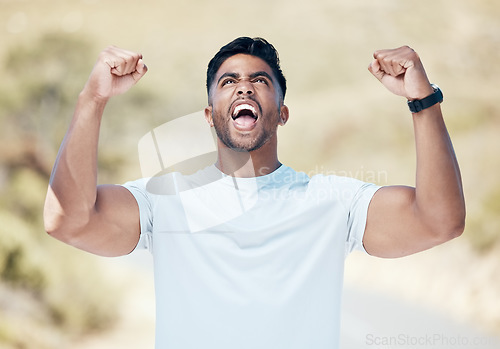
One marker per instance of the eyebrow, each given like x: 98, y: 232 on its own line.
x: 252, y: 76
x: 261, y: 73
x: 230, y: 75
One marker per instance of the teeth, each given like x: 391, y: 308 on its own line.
x: 243, y: 107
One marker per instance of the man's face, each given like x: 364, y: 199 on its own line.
x: 245, y: 103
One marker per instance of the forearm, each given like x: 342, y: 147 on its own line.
x: 439, y: 196
x: 73, y: 183
x: 404, y: 220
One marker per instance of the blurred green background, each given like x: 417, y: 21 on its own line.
x: 342, y: 121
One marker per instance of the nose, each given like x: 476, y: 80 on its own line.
x: 245, y: 88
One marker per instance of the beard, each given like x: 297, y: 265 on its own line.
x: 243, y: 142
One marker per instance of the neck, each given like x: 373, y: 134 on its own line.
x: 256, y: 163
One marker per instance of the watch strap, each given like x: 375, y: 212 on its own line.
x: 418, y: 105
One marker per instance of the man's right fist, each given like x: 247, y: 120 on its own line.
x: 115, y: 71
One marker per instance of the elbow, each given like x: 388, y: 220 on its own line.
x: 64, y: 222
x: 51, y: 221
x: 64, y: 232
x: 450, y: 227
x: 55, y: 226
x: 444, y: 221
x: 455, y: 230
x: 53, y: 218
x: 61, y: 227
x: 457, y: 225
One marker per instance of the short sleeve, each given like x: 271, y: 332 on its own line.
x: 357, y: 216
x: 138, y: 190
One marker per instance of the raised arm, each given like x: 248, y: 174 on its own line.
x: 99, y: 219
x: 404, y: 220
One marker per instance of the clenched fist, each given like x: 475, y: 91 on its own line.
x: 115, y: 71
x: 402, y: 72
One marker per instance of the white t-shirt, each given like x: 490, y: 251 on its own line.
x: 250, y: 263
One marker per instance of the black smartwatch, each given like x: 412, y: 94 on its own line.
x: 420, y: 104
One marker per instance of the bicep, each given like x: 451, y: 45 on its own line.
x: 394, y: 227
x: 114, y: 226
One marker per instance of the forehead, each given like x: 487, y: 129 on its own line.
x: 244, y: 65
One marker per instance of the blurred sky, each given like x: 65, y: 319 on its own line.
x: 325, y: 47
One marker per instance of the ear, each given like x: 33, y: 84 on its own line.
x: 208, y: 115
x: 284, y: 113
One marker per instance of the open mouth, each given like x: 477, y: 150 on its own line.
x: 244, y: 116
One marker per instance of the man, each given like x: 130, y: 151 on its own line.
x: 249, y: 253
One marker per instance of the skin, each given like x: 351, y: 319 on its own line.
x: 239, y: 80
x: 405, y: 220
x: 105, y: 219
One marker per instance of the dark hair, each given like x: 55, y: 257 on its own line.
x: 257, y: 47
